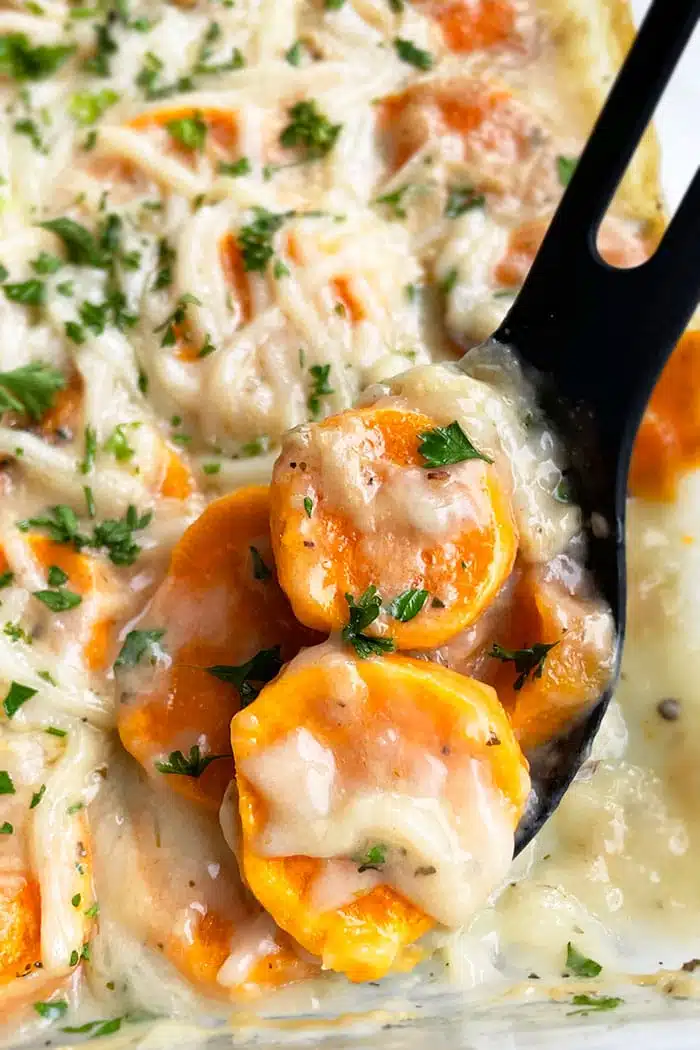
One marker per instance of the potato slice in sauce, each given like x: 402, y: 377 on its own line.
x: 408, y: 784
x: 356, y: 504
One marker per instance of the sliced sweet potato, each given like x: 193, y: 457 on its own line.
x: 214, y: 131
x: 494, y: 129
x: 355, y: 736
x: 87, y: 576
x: 20, y: 927
x: 473, y: 25
x: 618, y: 245
x: 354, y: 506
x: 668, y: 441
x: 220, y: 604
x: 549, y: 689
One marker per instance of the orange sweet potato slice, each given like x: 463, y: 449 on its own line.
x: 571, y: 675
x: 472, y: 25
x: 377, y: 719
x: 352, y: 507
x: 219, y: 604
x: 668, y: 442
x: 20, y: 928
x: 87, y: 575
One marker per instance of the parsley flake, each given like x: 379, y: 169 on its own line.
x: 594, y: 1004
x: 192, y: 765
x: 444, y: 446
x: 249, y: 677
x: 255, y: 239
x: 30, y: 389
x: 408, y: 604
x: 19, y: 60
x: 527, y: 662
x: 461, y: 199
x: 189, y: 132
x: 17, y: 695
x: 580, y: 966
x: 52, y: 1011
x: 138, y: 644
x: 363, y: 612
x: 566, y: 166
x: 7, y: 786
x: 60, y: 600
x: 414, y: 56
x: 310, y: 131
x: 319, y: 375
x: 373, y: 859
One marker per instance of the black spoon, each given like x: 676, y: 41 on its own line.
x: 599, y: 337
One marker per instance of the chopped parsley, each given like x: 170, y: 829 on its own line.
x: 461, y: 199
x: 594, y: 1003
x: 60, y: 600
x: 28, y: 127
x: 261, y: 571
x: 45, y: 263
x: 395, y: 200
x: 333, y: 5
x: 60, y: 523
x: 415, y: 56
x: 308, y: 506
x: 166, y: 258
x: 177, y: 317
x: 310, y: 131
x: 408, y: 604
x: 52, y: 1011
x: 17, y: 695
x: 86, y: 108
x: 28, y: 293
x: 30, y: 389
x: 566, y: 166
x: 6, y: 828
x: 7, y: 786
x: 6, y: 579
x: 236, y: 168
x: 444, y: 446
x: 118, y: 443
x: 255, y: 239
x: 189, y: 132
x: 138, y: 644
x: 449, y: 281
x: 56, y: 576
x: 203, y: 65
x: 363, y: 612
x: 96, y: 1028
x: 373, y: 859
x: 294, y: 54
x: 251, y: 676
x: 37, y: 797
x: 319, y: 375
x: 192, y: 765
x: 88, y: 460
x: 82, y: 247
x: 580, y: 966
x: 16, y: 633
x: 106, y: 46
x: 527, y: 662
x: 19, y: 60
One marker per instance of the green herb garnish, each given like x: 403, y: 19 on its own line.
x: 566, y: 166
x: 580, y: 966
x: 19, y: 60
x: 319, y: 375
x: 527, y: 662
x: 594, y: 1003
x: 191, y: 766
x: 60, y: 600
x: 407, y: 605
x: 138, y: 644
x: 27, y: 293
x: 444, y: 446
x: 373, y: 859
x: 30, y: 389
x: 52, y: 1011
x: 7, y: 786
x: 250, y: 677
x: 363, y: 612
x: 189, y: 132
x: 415, y: 56
x: 310, y: 131
x: 461, y: 199
x: 17, y: 695
x: 255, y: 239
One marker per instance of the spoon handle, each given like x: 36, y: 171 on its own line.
x: 605, y: 333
